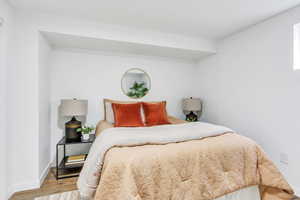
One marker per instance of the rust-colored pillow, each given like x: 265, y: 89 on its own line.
x: 155, y: 113
x: 127, y: 115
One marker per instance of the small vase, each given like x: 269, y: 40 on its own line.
x: 85, y: 137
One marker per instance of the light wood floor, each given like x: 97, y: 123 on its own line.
x: 50, y: 186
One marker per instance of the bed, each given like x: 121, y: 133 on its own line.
x: 179, y: 161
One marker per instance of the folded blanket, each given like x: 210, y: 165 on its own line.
x: 177, y: 164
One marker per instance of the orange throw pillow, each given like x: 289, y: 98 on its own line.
x: 155, y: 113
x: 127, y: 115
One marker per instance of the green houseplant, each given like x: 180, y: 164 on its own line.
x: 138, y: 90
x: 86, y: 130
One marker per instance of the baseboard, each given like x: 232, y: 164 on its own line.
x: 44, y: 173
x: 30, y: 185
x: 297, y: 191
x: 21, y: 187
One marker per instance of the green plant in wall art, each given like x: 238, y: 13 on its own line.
x: 137, y: 90
x: 135, y: 83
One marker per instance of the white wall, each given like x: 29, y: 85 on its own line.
x: 44, y: 108
x: 23, y: 104
x: 97, y: 75
x: 6, y: 13
x: 297, y: 46
x: 250, y: 86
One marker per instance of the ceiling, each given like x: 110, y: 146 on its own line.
x: 213, y: 19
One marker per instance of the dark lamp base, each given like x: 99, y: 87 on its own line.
x: 191, y: 117
x: 72, y: 135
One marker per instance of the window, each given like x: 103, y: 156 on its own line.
x: 297, y: 47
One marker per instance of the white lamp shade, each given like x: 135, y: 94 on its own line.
x: 73, y: 107
x: 191, y: 104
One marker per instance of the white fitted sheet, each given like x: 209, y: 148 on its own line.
x: 250, y: 193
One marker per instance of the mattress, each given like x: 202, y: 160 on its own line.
x: 249, y: 193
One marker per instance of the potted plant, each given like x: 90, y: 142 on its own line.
x: 86, y: 130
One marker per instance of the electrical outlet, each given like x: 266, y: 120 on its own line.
x: 284, y: 158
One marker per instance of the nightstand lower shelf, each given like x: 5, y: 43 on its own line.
x: 63, y: 164
x: 67, y: 167
x: 67, y: 173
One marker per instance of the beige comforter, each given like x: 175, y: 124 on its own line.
x: 201, y: 169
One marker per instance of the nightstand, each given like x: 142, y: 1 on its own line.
x: 65, y: 169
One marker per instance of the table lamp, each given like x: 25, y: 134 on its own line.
x: 73, y: 108
x: 192, y: 108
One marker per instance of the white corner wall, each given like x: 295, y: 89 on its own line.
x: 6, y: 30
x: 23, y: 104
x: 297, y: 46
x: 44, y: 108
x: 251, y: 86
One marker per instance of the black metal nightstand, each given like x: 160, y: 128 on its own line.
x: 63, y: 170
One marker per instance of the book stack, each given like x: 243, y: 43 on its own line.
x: 75, y: 160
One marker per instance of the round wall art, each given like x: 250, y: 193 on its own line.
x: 136, y: 83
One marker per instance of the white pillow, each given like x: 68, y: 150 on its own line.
x: 109, y: 112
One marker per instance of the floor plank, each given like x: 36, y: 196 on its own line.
x: 50, y: 186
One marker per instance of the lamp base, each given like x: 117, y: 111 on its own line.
x: 72, y: 135
x: 191, y: 117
